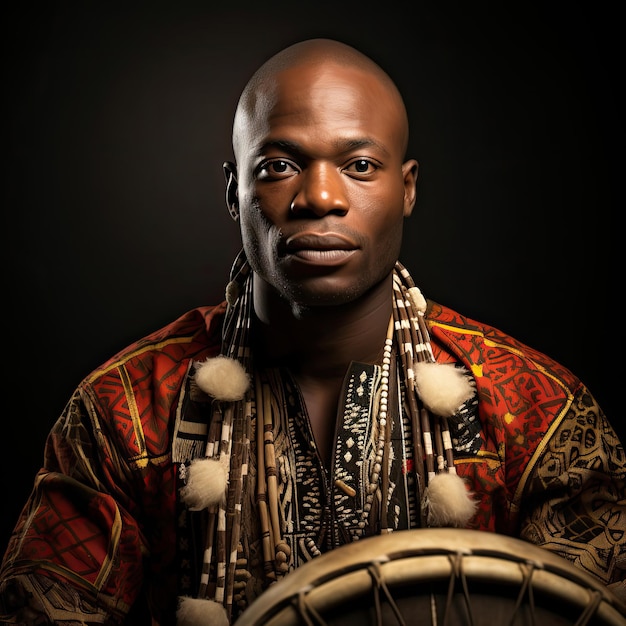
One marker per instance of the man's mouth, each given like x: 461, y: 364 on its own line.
x: 320, y: 249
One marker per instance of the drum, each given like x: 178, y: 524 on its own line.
x: 437, y: 577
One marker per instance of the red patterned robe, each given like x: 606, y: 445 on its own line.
x: 98, y: 539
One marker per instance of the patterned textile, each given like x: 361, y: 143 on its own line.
x: 104, y: 527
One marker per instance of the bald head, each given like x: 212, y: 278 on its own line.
x: 319, y: 56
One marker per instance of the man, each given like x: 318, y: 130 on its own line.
x: 325, y: 401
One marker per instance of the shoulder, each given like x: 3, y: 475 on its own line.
x: 522, y: 395
x: 138, y: 390
x: 191, y: 335
x: 476, y: 343
x: 159, y: 361
x: 491, y: 353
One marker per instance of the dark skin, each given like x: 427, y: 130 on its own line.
x: 321, y: 189
x: 319, y: 349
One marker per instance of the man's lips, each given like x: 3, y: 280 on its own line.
x: 315, y: 241
x: 322, y: 249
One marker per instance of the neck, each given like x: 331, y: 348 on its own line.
x: 322, y: 341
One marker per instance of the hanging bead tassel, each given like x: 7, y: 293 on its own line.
x: 207, y: 480
x: 442, y: 387
x: 198, y: 612
x: 447, y: 501
x: 222, y: 378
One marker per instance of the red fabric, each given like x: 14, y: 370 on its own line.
x: 521, y: 391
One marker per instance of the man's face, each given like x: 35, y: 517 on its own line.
x: 322, y: 188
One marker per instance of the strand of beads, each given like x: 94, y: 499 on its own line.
x: 382, y: 421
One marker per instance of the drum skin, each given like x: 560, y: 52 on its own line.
x: 437, y: 577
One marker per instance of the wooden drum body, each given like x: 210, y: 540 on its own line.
x: 437, y: 577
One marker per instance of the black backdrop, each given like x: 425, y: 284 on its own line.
x: 118, y: 119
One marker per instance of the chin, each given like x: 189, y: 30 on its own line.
x: 311, y: 294
x: 303, y: 304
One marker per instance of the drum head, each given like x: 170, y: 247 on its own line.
x: 437, y: 577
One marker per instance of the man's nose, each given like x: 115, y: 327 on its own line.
x: 322, y: 191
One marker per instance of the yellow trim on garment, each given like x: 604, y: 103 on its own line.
x: 135, y: 418
x: 107, y: 563
x: 152, y: 346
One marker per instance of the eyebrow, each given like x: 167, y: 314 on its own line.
x: 342, y: 145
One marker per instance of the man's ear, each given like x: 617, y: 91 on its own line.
x: 232, y: 197
x: 409, y: 171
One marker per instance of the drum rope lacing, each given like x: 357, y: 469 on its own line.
x: 311, y: 616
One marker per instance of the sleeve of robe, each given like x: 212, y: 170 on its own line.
x: 96, y: 540
x: 574, y: 500
x: 77, y: 551
x: 546, y: 465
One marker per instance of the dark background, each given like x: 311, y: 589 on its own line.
x: 117, y: 120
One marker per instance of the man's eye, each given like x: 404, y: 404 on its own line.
x: 361, y: 166
x: 279, y: 167
x: 275, y: 169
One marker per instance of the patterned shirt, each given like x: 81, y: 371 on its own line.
x: 104, y: 536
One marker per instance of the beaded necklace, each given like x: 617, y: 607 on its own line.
x: 407, y: 343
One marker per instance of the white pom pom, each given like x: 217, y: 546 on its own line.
x: 442, y: 387
x: 223, y: 378
x: 232, y: 292
x: 448, y: 501
x: 206, y: 484
x: 417, y: 299
x: 198, y: 612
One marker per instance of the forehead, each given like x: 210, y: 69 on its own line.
x: 324, y: 102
